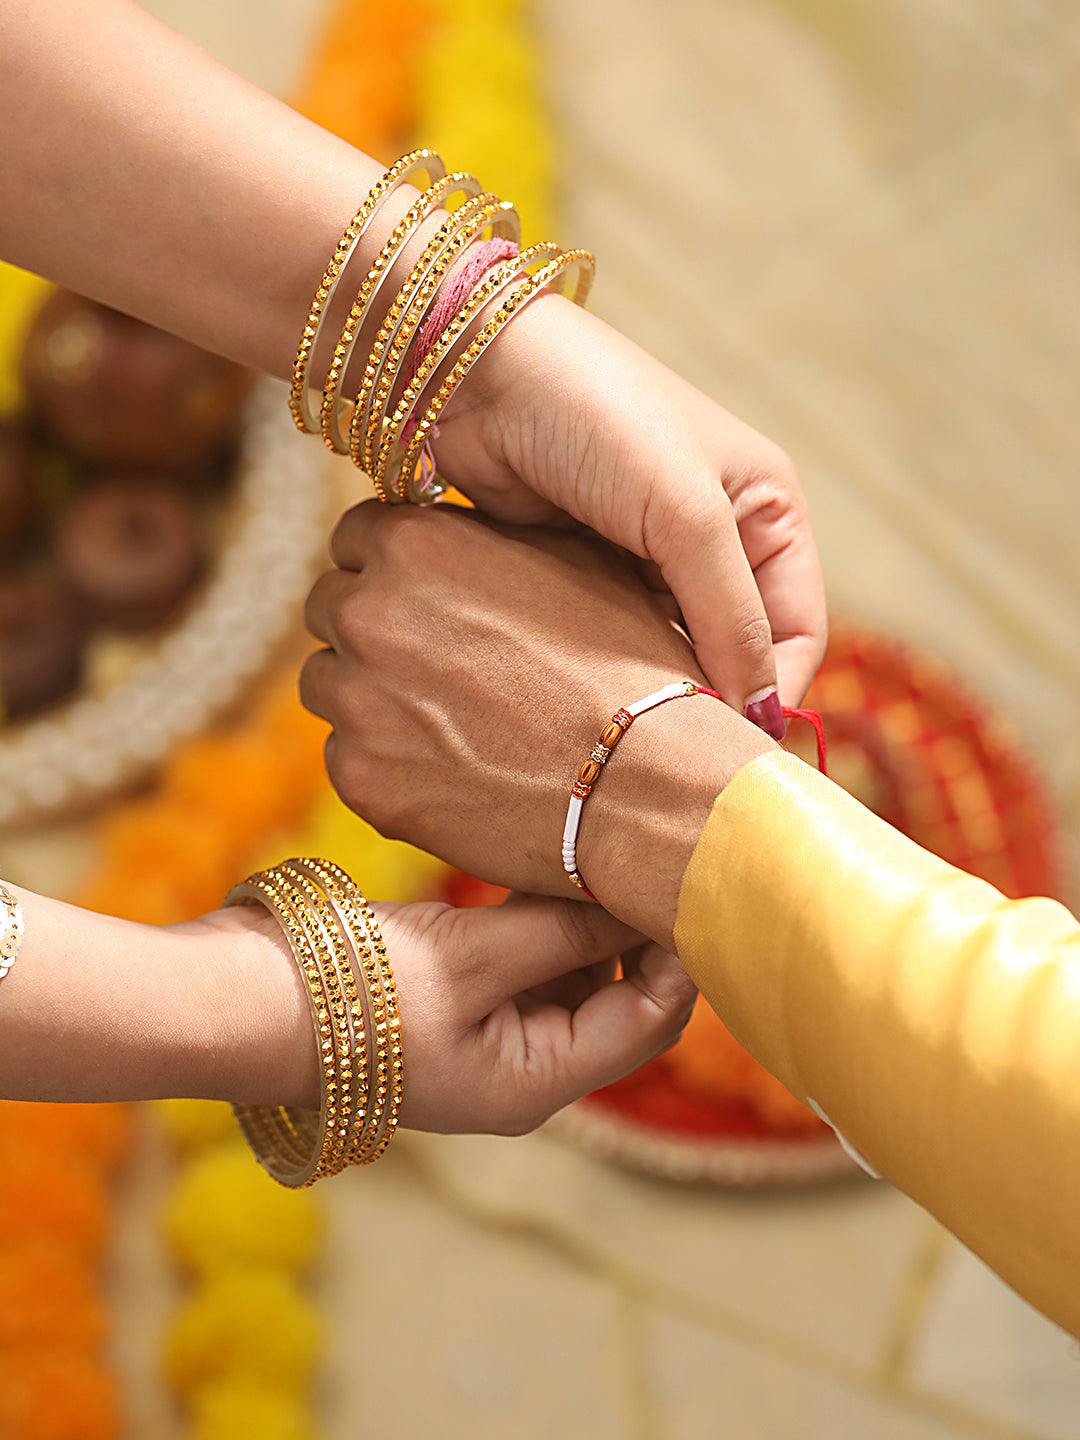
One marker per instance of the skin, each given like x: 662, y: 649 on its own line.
x: 202, y: 205
x: 467, y: 672
x: 507, y: 1013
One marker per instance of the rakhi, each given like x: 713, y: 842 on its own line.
x: 612, y: 733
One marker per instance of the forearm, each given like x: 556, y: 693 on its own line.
x: 97, y: 1008
x: 934, y: 1021
x: 142, y: 173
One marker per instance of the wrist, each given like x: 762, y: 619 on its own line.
x: 252, y: 1012
x: 642, y: 821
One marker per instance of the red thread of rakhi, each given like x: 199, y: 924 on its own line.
x: 792, y: 713
x: 613, y: 732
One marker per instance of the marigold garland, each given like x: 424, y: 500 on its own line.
x: 243, y: 1347
x: 495, y: 124
x: 55, y: 1166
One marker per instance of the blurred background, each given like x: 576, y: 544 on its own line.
x: 855, y: 224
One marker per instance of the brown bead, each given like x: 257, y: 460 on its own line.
x: 589, y: 772
x: 611, y: 734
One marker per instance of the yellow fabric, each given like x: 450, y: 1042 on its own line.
x: 936, y: 1023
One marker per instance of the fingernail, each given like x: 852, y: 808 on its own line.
x: 764, y: 710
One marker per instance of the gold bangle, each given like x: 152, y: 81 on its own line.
x: 391, y: 344
x: 309, y: 873
x: 330, y: 946
x: 403, y: 485
x: 289, y: 1141
x: 381, y: 267
x: 388, y: 1080
x: 492, y: 284
x: 12, y: 929
x: 401, y: 171
x: 335, y: 941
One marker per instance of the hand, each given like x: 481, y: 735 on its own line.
x: 562, y: 413
x: 510, y: 1012
x: 470, y: 668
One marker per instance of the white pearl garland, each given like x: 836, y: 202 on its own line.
x: 251, y: 600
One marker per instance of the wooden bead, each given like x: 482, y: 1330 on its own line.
x: 611, y: 734
x: 589, y: 772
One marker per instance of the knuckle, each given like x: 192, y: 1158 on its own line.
x: 578, y: 930
x: 351, y: 619
x: 751, y: 634
x: 313, y: 689
x: 360, y: 519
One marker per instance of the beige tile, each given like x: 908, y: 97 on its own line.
x: 706, y: 1386
x: 821, y: 1271
x: 444, y: 1328
x: 983, y: 1346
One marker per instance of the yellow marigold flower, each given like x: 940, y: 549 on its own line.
x: 194, y: 1124
x: 244, y: 1324
x: 224, y: 1210
x: 244, y: 1410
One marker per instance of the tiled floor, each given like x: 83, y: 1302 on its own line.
x: 853, y: 221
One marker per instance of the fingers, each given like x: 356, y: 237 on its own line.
x: 788, y: 577
x: 325, y: 603
x: 616, y: 1030
x: 350, y: 543
x: 700, y: 553
x: 527, y: 942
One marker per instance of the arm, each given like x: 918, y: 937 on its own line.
x: 143, y: 174
x: 936, y: 1023
x: 507, y: 1013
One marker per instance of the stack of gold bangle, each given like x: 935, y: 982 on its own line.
x: 339, y: 952
x: 377, y: 434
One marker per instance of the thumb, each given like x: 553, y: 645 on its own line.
x: 531, y: 939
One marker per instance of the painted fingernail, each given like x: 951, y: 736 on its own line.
x: 764, y: 710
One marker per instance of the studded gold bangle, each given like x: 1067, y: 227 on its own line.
x: 391, y: 344
x: 381, y: 267
x: 385, y: 1022
x: 403, y: 485
x: 494, y: 282
x: 289, y: 1141
x: 335, y: 941
x: 417, y: 161
x: 12, y: 929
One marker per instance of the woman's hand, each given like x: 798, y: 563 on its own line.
x: 562, y: 413
x: 510, y: 1012
x: 507, y: 1012
x: 469, y: 670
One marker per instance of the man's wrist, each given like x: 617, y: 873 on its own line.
x: 640, y: 825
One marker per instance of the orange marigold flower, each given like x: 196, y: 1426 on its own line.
x: 48, y: 1298
x: 40, y: 1196
x: 97, y: 1135
x: 56, y: 1394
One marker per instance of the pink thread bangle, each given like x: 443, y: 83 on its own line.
x: 590, y: 769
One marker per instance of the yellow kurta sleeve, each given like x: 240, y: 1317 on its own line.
x: 936, y: 1023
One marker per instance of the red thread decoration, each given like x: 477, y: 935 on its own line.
x: 812, y: 718
x: 791, y: 713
